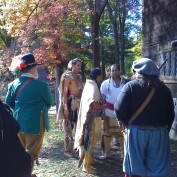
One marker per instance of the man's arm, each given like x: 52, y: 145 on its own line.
x: 65, y: 96
x: 10, y: 98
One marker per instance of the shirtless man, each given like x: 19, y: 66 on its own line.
x: 72, y: 90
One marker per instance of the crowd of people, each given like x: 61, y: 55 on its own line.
x: 137, y: 113
x: 134, y: 114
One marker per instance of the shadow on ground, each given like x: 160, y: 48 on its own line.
x: 110, y: 167
x: 55, y: 164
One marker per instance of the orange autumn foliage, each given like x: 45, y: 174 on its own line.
x: 49, y: 29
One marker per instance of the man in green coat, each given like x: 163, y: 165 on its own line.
x: 30, y: 100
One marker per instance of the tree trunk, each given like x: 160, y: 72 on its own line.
x: 122, y: 41
x: 102, y: 57
x: 96, y: 10
x: 95, y: 39
x: 122, y: 19
x: 57, y: 82
x: 103, y: 69
x: 115, y: 31
x: 83, y: 71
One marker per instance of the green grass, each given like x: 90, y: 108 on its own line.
x: 55, y: 164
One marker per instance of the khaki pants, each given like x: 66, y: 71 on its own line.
x: 32, y: 143
x: 110, y: 130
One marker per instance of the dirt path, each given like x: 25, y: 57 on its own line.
x: 55, y: 164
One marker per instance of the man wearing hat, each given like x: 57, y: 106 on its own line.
x: 145, y: 107
x: 30, y: 100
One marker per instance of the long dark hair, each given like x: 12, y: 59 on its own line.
x: 148, y: 82
x: 94, y: 73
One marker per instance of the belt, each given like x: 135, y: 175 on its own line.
x: 110, y: 106
x: 95, y: 114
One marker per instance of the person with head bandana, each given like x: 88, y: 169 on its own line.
x: 70, y: 90
x: 89, y: 129
x: 30, y: 100
x: 145, y: 107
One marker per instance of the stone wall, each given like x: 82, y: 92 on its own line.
x: 159, y: 27
x: 159, y: 31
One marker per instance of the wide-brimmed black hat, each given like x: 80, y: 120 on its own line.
x: 28, y: 61
x: 23, y: 63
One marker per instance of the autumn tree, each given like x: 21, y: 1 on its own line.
x: 48, y: 28
x: 55, y: 31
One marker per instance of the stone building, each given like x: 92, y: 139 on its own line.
x: 159, y: 35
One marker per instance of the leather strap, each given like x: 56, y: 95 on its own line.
x: 140, y: 109
x: 20, y: 88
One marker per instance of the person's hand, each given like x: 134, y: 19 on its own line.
x: 121, y: 125
x: 103, y: 106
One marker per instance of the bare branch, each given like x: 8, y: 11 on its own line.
x: 32, y: 11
